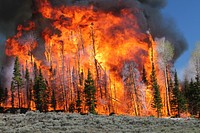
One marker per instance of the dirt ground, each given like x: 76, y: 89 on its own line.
x: 35, y: 122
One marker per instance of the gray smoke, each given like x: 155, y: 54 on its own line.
x: 12, y: 13
x: 161, y: 27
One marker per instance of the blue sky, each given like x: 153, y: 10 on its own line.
x: 186, y: 14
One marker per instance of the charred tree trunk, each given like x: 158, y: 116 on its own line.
x: 63, y: 76
x: 95, y: 61
x: 12, y: 95
x: 167, y: 91
x: 19, y: 98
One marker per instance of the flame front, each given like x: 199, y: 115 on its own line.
x: 73, y: 39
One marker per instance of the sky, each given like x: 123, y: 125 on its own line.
x: 186, y: 14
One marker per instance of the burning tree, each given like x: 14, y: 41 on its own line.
x: 165, y: 52
x: 71, y: 39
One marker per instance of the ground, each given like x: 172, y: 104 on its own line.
x: 35, y: 122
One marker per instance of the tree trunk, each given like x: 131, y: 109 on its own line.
x: 95, y: 61
x: 167, y: 92
x: 12, y: 99
x: 19, y: 99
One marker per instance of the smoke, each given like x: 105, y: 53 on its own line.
x: 160, y: 27
x: 12, y: 13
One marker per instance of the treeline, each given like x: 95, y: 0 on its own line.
x: 191, y: 91
x: 39, y: 95
x: 183, y: 97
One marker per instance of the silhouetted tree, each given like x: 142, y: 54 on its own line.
x: 78, y: 102
x: 40, y: 91
x: 12, y: 95
x: 28, y: 90
x: 17, y: 79
x: 72, y: 107
x: 157, y: 101
x: 53, y: 99
x: 178, y: 102
x: 90, y: 90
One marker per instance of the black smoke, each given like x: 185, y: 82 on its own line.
x: 12, y: 13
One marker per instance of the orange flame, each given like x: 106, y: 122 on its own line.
x: 82, y: 38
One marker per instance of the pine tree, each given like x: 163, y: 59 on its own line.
x: 12, y: 95
x: 40, y: 92
x: 186, y: 88
x: 157, y: 101
x: 197, y: 90
x: 71, y: 107
x: 36, y: 89
x: 191, y: 98
x: 78, y: 102
x: 194, y: 96
x: 90, y: 90
x: 17, y: 79
x: 53, y: 100
x: 178, y: 102
x: 27, y: 77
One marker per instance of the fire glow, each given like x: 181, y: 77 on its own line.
x: 78, y: 38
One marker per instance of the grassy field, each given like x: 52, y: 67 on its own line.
x: 35, y: 122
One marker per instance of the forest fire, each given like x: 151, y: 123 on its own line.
x: 66, y: 41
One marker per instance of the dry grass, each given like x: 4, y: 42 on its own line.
x: 35, y: 122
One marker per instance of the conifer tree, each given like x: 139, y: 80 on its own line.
x: 194, y: 96
x: 28, y: 90
x: 53, y: 100
x: 40, y: 91
x: 186, y: 88
x: 178, y: 102
x: 17, y: 79
x: 90, y: 91
x: 191, y: 95
x: 78, y: 102
x: 36, y: 89
x: 197, y: 93
x: 157, y: 101
x: 72, y: 107
x: 12, y: 95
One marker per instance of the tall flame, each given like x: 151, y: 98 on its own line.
x: 78, y: 38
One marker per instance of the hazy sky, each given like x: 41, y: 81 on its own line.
x: 186, y: 14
